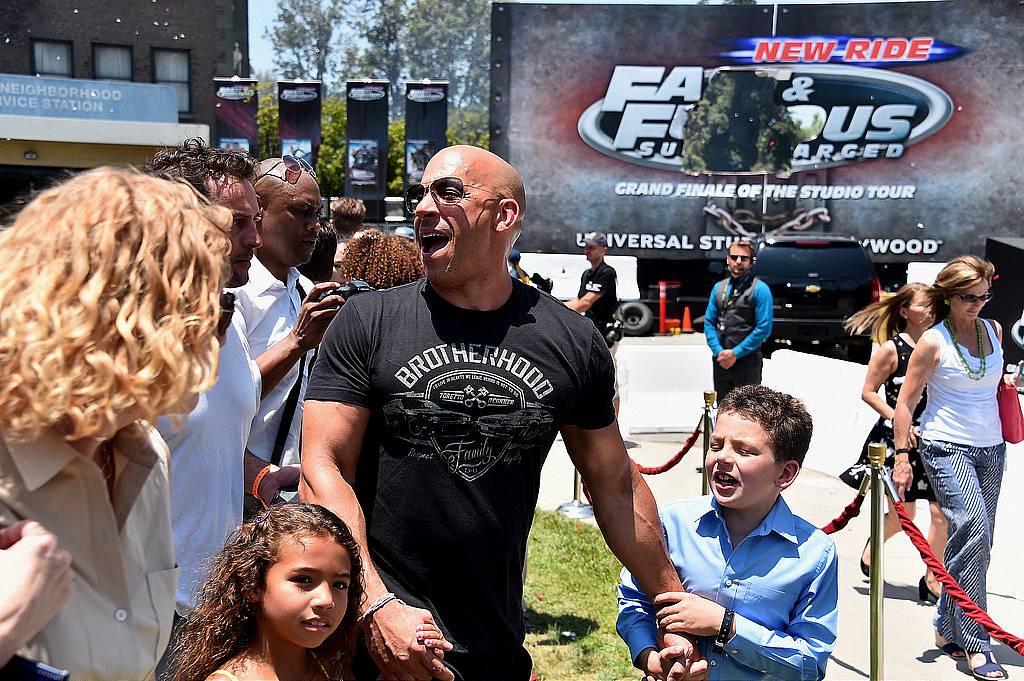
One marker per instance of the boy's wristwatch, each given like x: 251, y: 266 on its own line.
x: 723, y: 633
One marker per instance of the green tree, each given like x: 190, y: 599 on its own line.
x: 737, y: 127
x: 381, y: 23
x: 266, y: 120
x: 469, y: 126
x: 451, y: 40
x: 330, y: 163
x: 303, y: 36
x: 396, y: 157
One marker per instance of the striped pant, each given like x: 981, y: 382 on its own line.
x: 966, y: 481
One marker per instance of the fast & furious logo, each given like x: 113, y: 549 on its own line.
x: 779, y: 117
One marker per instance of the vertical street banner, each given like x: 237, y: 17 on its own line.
x: 426, y: 125
x: 367, y: 144
x: 237, y: 102
x: 298, y: 122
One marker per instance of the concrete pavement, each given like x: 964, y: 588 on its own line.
x: 909, y: 651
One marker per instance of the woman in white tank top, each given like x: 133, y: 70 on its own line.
x: 962, y: 448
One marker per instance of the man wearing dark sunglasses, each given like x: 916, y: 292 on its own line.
x: 430, y: 411
x: 737, y: 321
x: 281, y: 312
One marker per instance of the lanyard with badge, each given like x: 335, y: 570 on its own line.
x: 738, y: 290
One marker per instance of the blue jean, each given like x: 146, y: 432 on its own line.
x: 966, y: 481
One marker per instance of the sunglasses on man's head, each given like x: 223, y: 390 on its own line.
x: 446, y: 190
x: 971, y: 299
x: 227, y: 311
x: 293, y: 167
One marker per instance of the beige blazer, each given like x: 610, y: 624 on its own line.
x: 118, y: 622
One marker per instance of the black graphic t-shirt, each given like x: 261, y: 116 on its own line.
x: 464, y: 406
x: 600, y: 280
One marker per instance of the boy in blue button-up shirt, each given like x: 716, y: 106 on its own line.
x: 761, y: 583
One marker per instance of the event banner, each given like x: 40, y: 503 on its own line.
x: 298, y: 122
x: 426, y: 125
x: 677, y: 129
x: 237, y: 102
x: 367, y: 157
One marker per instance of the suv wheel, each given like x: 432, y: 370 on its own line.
x: 637, y: 318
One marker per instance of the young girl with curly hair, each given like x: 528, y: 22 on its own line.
x: 280, y: 603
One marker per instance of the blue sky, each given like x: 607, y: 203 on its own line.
x: 262, y: 12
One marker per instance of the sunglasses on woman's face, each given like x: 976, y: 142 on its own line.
x: 972, y: 299
x: 445, y: 190
x: 227, y: 311
x: 293, y: 168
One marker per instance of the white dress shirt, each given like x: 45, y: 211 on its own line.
x: 269, y: 309
x: 207, y: 454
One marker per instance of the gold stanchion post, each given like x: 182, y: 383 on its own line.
x: 710, y: 397
x: 876, y: 455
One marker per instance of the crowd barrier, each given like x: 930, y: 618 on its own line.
x: 881, y: 487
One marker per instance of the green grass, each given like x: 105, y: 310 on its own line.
x: 570, y: 587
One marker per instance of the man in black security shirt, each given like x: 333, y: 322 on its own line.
x: 597, y: 298
x: 429, y: 413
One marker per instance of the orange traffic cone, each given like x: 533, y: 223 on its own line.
x: 687, y: 322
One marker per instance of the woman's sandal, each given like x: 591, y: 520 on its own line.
x: 950, y: 648
x: 982, y: 670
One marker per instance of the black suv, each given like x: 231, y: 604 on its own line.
x: 817, y: 281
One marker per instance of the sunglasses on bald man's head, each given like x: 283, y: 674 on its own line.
x: 293, y: 168
x: 445, y: 190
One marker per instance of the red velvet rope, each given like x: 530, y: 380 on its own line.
x: 953, y: 589
x: 654, y: 470
x: 851, y: 511
x: 676, y: 458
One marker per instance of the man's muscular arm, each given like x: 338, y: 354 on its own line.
x: 623, y: 506
x: 332, y: 436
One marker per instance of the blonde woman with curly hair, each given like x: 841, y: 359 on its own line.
x: 960, y: 359
x: 381, y: 260
x: 109, y: 301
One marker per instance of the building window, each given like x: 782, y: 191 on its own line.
x: 111, y: 62
x: 171, y: 67
x: 52, y: 58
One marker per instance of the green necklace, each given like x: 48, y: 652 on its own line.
x: 963, y: 360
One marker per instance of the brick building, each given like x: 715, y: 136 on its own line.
x: 116, y: 45
x: 184, y: 43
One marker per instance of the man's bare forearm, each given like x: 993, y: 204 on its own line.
x: 325, y: 485
x: 276, y: 361
x: 628, y: 517
x: 251, y: 467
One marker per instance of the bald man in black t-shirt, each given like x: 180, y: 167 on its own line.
x: 429, y: 414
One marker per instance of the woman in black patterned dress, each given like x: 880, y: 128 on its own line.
x: 902, y: 319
